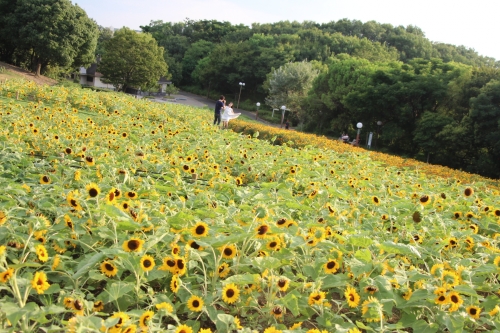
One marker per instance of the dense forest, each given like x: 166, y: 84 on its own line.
x: 433, y: 101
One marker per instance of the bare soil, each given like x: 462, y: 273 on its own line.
x: 14, y: 72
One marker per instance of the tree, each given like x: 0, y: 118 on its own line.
x: 289, y: 85
x: 171, y: 90
x: 50, y: 32
x: 105, y: 34
x: 132, y: 59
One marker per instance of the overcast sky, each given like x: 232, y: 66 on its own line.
x: 473, y: 24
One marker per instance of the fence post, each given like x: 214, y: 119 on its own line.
x: 17, y: 95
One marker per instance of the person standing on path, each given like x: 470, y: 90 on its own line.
x: 218, y: 106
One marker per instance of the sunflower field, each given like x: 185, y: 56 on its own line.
x: 125, y: 215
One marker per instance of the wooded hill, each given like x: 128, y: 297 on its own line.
x: 435, y: 101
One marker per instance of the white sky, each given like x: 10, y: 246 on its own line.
x: 473, y: 24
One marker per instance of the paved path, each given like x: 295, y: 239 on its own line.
x: 186, y: 98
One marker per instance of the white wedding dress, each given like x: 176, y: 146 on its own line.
x: 229, y: 114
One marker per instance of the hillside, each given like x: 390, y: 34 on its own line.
x: 13, y: 72
x: 118, y: 213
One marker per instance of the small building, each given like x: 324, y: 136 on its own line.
x: 91, y: 77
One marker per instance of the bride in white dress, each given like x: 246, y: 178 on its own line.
x: 228, y: 115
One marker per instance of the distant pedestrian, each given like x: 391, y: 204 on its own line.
x: 228, y: 114
x: 220, y: 104
x: 287, y: 124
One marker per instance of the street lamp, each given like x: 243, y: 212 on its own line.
x: 283, y: 108
x: 359, y: 126
x: 257, y: 113
x: 241, y: 86
x: 379, y: 123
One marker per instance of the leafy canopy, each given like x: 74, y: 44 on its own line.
x: 132, y: 59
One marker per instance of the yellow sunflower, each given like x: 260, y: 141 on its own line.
x: 283, y: 284
x: 229, y: 251
x: 7, y: 275
x: 147, y: 263
x: 98, y: 306
x: 277, y: 312
x: 183, y: 329
x: 45, y: 180
x: 93, y: 190
x: 145, y: 318
x: 39, y: 282
x: 133, y: 245
x: 331, y: 266
x: 473, y: 311
x: 41, y: 252
x: 230, y: 293
x: 316, y: 297
x: 371, y: 309
x: 455, y: 300
x: 108, y: 268
x: 262, y: 230
x: 200, y: 229
x: 468, y: 192
x: 175, y: 284
x: 195, y: 303
x: 352, y: 297
x: 223, y: 270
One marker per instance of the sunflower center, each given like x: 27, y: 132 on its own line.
x: 281, y: 221
x: 109, y: 267
x: 147, y: 263
x: 170, y: 263
x: 277, y: 311
x: 273, y: 244
x: 262, y: 230
x: 195, y: 245
x: 454, y: 299
x: 180, y: 264
x: 331, y: 264
x: 317, y: 297
x: 351, y: 297
x: 281, y: 283
x: 73, y: 203
x: 93, y: 192
x: 133, y: 245
x: 200, y: 230
x: 46, y: 179
x: 196, y: 303
x: 473, y: 311
x: 230, y: 293
x: 228, y: 251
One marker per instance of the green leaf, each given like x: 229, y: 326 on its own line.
x: 359, y: 241
x: 243, y: 279
x: 223, y: 322
x: 86, y: 265
x: 391, y: 247
x: 118, y: 289
x: 335, y: 281
x: 424, y: 327
x: 364, y: 255
x: 291, y: 302
x: 466, y: 290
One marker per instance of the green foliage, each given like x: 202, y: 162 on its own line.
x: 171, y: 89
x: 47, y: 32
x: 289, y: 85
x: 132, y: 59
